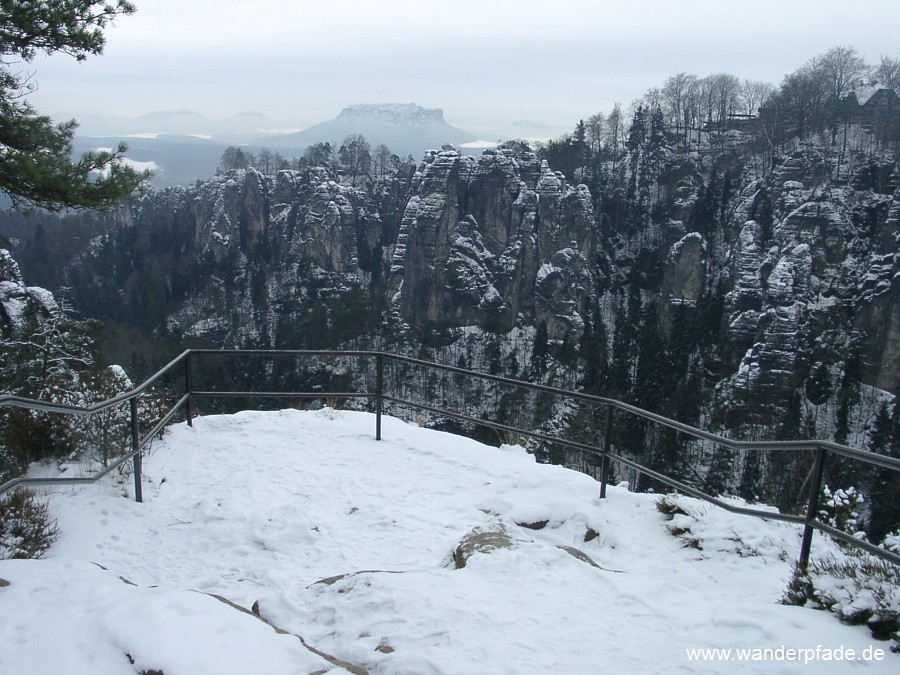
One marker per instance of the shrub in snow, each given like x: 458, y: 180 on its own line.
x: 681, y: 526
x: 25, y: 527
x: 55, y: 358
x: 859, y: 590
x: 105, y: 436
x: 840, y: 510
x: 799, y: 590
x: 669, y: 507
x: 892, y: 542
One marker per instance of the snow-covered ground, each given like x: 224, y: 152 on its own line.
x: 349, y: 543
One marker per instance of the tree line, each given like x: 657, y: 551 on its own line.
x: 354, y: 158
x: 693, y: 112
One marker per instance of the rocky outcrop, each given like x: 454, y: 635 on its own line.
x: 230, y: 209
x: 684, y: 277
x: 754, y: 283
x: 337, y: 221
x: 20, y: 305
x: 801, y: 287
x: 491, y: 241
x: 878, y: 318
x: 325, y: 225
x: 480, y: 540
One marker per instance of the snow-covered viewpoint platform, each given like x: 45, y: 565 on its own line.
x: 415, y: 554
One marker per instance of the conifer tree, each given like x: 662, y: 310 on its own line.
x: 719, y: 474
x: 595, y: 352
x: 36, y: 168
x: 622, y: 352
x: 655, y: 153
x: 614, y: 135
x: 884, y: 438
x: 637, y: 134
x: 540, y: 350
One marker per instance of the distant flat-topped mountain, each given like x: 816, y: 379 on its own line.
x: 183, y: 145
x: 405, y: 128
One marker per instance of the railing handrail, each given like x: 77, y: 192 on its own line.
x: 734, y: 444
x: 821, y: 447
x: 81, y: 410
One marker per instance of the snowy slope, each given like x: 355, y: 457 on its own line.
x: 259, y: 507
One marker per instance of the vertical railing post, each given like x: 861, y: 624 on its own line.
x: 136, y: 448
x: 812, y: 507
x: 379, y: 392
x: 187, y: 390
x: 607, y: 446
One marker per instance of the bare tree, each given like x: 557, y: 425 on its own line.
x: 887, y: 73
x: 754, y: 94
x: 801, y: 99
x: 356, y: 156
x: 693, y: 105
x: 702, y: 104
x: 266, y: 161
x: 382, y: 159
x: 843, y: 70
x: 653, y: 98
x: 595, y: 129
x: 675, y: 93
x: 615, y: 131
x: 725, y: 94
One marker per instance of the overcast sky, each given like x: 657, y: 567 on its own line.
x: 484, y: 62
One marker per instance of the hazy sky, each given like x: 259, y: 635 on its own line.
x: 484, y: 62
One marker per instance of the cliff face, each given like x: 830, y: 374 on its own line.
x: 493, y: 241
x: 752, y: 299
x: 20, y: 305
x: 747, y: 287
x: 820, y: 275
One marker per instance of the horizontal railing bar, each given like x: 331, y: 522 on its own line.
x: 289, y: 352
x: 869, y: 547
x: 281, y: 394
x: 653, y: 474
x: 862, y: 455
x: 693, y: 492
x: 13, y: 401
x: 786, y: 517
x: 502, y: 380
x: 757, y: 513
x: 493, y: 425
x: 797, y: 446
x: 46, y: 406
x: 868, y: 457
x: 25, y: 482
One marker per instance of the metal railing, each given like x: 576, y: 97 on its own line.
x: 137, y: 443
x: 604, y: 451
